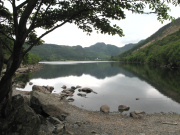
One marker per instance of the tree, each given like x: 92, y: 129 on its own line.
x: 27, y: 15
x: 30, y: 58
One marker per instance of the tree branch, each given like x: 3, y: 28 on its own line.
x: 33, y: 21
x: 7, y: 36
x: 140, y: 11
x: 4, y: 44
x: 57, y: 26
x: 48, y: 7
x: 25, y: 15
x: 22, y: 4
x: 15, y: 17
x: 1, y: 58
x: 47, y: 32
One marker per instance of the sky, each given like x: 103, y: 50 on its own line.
x: 135, y: 27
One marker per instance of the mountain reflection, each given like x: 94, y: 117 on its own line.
x: 98, y: 70
x: 164, y: 80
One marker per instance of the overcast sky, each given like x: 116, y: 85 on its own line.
x: 135, y: 27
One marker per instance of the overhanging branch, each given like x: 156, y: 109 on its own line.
x: 47, y: 32
x: 7, y: 36
x: 35, y: 17
x: 15, y: 17
x: 22, y: 4
x: 4, y: 44
x: 57, y: 26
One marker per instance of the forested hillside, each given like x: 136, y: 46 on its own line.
x: 161, y: 52
x: 161, y: 33
x: 100, y: 51
x: 162, y: 48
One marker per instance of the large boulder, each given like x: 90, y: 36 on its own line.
x: 47, y: 105
x: 105, y: 109
x: 22, y: 120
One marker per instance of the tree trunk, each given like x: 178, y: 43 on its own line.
x: 5, y: 87
x: 12, y: 65
x: 1, y: 58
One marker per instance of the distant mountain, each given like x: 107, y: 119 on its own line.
x: 162, y: 48
x: 52, y: 52
x: 160, y: 34
x: 129, y: 46
x: 102, y: 48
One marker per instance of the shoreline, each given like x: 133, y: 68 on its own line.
x: 84, y: 122
x: 16, y: 92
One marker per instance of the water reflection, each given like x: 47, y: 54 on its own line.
x: 115, y: 84
x: 164, y: 80
x: 99, y: 70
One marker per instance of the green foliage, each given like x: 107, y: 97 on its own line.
x: 87, y: 15
x: 165, y: 30
x: 19, y: 25
x: 162, y: 52
x: 31, y: 59
x: 50, y: 52
x: 22, y: 78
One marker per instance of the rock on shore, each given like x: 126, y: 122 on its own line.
x: 33, y: 113
x: 105, y: 109
x: 81, y: 122
x: 44, y: 89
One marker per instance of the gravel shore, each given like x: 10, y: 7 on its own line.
x: 83, y: 122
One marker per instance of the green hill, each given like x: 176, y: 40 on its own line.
x: 162, y: 48
x: 162, y: 52
x: 52, y: 52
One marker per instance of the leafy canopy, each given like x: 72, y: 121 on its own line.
x: 28, y: 15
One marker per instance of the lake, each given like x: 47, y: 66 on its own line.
x: 141, y: 87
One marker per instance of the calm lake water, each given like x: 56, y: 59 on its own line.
x: 157, y: 89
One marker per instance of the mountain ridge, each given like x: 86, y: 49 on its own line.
x: 162, y: 48
x: 158, y: 35
x: 100, y: 51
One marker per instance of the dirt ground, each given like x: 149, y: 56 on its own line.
x: 82, y: 122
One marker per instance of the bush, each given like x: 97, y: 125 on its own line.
x: 31, y: 59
